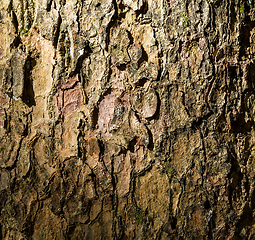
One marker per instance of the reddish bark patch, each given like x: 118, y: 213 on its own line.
x: 106, y: 111
x: 69, y: 83
x: 69, y: 96
x: 3, y: 105
x: 72, y: 100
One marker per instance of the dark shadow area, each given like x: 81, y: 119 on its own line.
x: 122, y: 67
x: 132, y: 143
x: 49, y: 3
x: 94, y: 117
x: 142, y: 81
x: 28, y: 91
x: 57, y: 31
x: 144, y: 57
x: 143, y: 10
x: 245, y: 36
x: 15, y: 21
x: 151, y: 144
x: 87, y: 52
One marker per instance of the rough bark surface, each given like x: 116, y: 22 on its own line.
x: 127, y: 119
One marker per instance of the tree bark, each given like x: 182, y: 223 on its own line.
x: 127, y: 119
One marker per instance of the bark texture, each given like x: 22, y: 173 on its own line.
x: 127, y: 119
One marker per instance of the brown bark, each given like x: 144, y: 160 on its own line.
x: 127, y: 119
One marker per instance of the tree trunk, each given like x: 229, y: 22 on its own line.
x: 127, y: 119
